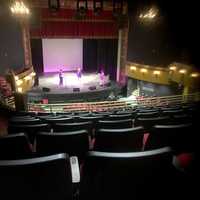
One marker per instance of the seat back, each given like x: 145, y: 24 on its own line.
x: 14, y: 146
x: 119, y: 140
x: 119, y: 117
x: 29, y: 130
x: 147, y: 114
x: 180, y: 137
x: 148, y: 123
x: 115, y: 124
x: 130, y: 175
x: 65, y: 127
x: 74, y: 143
x: 37, y: 178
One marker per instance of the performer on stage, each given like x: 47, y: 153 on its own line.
x: 102, y: 77
x: 79, y: 73
x: 61, y: 77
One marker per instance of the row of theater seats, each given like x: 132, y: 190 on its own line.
x: 119, y: 176
x: 121, y: 155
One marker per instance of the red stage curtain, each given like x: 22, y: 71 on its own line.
x: 54, y: 25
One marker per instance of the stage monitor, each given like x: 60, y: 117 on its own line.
x: 76, y: 89
x: 65, y: 54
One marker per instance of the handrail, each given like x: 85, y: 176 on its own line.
x: 107, y: 105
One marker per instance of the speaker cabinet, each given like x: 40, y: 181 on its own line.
x: 92, y: 88
x: 44, y: 89
x: 76, y: 89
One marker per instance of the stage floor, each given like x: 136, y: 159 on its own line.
x: 88, y: 88
x: 70, y: 81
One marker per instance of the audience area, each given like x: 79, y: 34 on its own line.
x: 140, y: 152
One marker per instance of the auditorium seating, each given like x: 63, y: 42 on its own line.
x: 24, y: 120
x: 148, y: 123
x: 37, y: 178
x: 133, y: 175
x: 115, y: 124
x: 119, y: 140
x: 180, y: 137
x: 29, y: 129
x: 15, y: 146
x: 62, y: 127
x: 74, y: 143
x: 120, y: 117
x: 147, y: 114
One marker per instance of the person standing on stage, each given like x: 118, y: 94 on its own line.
x: 102, y: 77
x: 61, y: 77
x: 79, y: 73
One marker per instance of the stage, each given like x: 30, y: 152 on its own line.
x: 90, y: 87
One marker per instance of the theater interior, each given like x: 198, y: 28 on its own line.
x: 99, y: 99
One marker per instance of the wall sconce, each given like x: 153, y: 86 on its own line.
x: 194, y: 75
x: 32, y: 74
x: 173, y: 68
x: 156, y: 73
x: 182, y: 71
x: 133, y: 68
x: 27, y: 78
x: 143, y: 70
x: 19, y: 89
x: 16, y: 78
x: 19, y: 82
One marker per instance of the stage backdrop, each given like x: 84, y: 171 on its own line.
x: 65, y: 54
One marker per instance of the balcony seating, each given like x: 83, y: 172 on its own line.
x: 36, y: 178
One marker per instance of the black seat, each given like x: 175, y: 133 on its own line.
x: 180, y: 137
x: 148, y: 123
x: 173, y: 112
x: 65, y: 127
x: 115, y: 124
x: 14, y: 146
x: 120, y: 117
x: 53, y: 121
x: 30, y: 130
x: 92, y: 119
x: 24, y: 120
x: 122, y: 176
x: 119, y: 140
x: 74, y: 143
x: 36, y: 178
x: 147, y: 114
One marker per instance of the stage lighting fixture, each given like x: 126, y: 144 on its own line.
x: 97, y: 6
x: 54, y: 5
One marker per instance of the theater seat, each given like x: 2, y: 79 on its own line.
x: 29, y: 130
x: 37, y: 178
x: 115, y: 124
x: 180, y: 137
x: 74, y: 143
x: 15, y: 146
x: 62, y: 127
x: 133, y: 175
x: 119, y: 140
